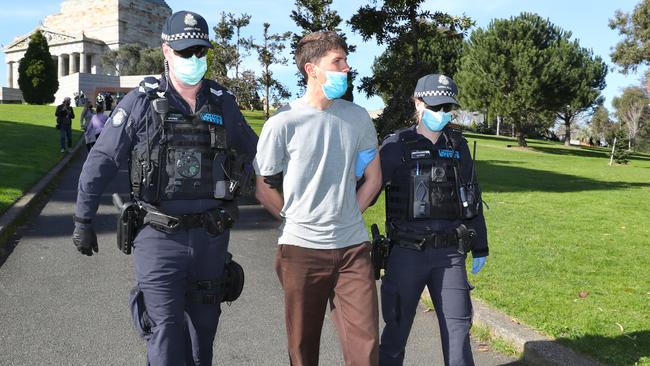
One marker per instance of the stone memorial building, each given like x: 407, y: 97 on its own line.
x: 80, y: 34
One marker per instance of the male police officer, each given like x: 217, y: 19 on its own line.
x: 179, y: 133
x: 433, y: 218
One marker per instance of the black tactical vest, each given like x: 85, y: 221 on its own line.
x: 183, y: 158
x: 425, y: 186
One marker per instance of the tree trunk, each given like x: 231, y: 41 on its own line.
x: 498, y: 124
x: 267, y: 87
x: 266, y: 101
x: 521, y: 139
x: 567, y: 131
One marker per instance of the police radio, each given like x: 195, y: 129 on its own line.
x: 470, y: 193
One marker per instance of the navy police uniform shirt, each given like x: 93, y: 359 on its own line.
x: 126, y: 127
x: 392, y: 152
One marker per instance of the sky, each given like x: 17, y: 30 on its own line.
x: 587, y: 20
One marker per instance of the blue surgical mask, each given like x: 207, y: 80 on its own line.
x: 190, y: 70
x: 335, y: 85
x: 435, y: 121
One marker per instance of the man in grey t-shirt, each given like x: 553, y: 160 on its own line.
x: 314, y: 150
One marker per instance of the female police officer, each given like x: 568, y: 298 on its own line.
x: 176, y: 132
x: 433, y: 218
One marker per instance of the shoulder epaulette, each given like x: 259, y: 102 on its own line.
x: 149, y: 86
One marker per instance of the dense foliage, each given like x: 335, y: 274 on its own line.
x: 37, y: 77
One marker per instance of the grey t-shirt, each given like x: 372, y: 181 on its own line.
x: 316, y: 151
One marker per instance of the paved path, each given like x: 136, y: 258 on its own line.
x: 61, y: 308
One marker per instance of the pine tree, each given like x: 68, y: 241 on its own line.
x: 419, y: 42
x: 37, y: 77
x: 269, y: 53
x: 621, y: 153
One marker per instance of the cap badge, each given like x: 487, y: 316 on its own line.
x: 443, y: 80
x: 189, y: 20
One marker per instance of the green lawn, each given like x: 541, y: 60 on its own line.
x: 562, y: 221
x: 29, y: 146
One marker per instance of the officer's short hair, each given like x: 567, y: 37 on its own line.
x: 312, y: 47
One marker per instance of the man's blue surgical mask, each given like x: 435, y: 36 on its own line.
x: 335, y: 85
x: 190, y: 70
x: 435, y: 121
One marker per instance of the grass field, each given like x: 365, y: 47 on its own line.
x: 568, y: 234
x: 29, y: 147
x: 562, y: 222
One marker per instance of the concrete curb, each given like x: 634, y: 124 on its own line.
x: 17, y: 210
x: 536, y: 348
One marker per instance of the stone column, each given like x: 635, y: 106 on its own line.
x: 61, y: 66
x: 10, y: 74
x: 72, y: 64
x: 82, y: 62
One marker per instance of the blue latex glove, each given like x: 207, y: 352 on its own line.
x: 364, y: 157
x: 477, y: 264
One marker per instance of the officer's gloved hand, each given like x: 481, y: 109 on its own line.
x: 85, y: 239
x: 477, y: 264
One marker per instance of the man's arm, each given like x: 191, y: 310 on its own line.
x: 371, y: 185
x: 269, y: 197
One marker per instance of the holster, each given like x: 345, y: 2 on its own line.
x: 379, y: 251
x: 129, y: 223
x: 215, y: 221
x: 226, y: 288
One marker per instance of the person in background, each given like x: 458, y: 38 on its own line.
x: 95, y: 127
x: 86, y: 115
x: 64, y: 116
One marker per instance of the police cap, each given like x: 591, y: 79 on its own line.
x: 185, y: 29
x: 436, y: 89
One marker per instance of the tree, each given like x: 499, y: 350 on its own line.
x: 151, y: 62
x: 621, y: 153
x: 242, y: 45
x: 584, y: 79
x: 269, y: 53
x: 245, y: 88
x: 515, y: 68
x: 37, y: 77
x: 124, y: 60
x: 417, y: 43
x: 221, y: 56
x: 632, y: 110
x: 314, y: 16
x: 602, y: 127
x: 134, y: 59
x: 634, y: 49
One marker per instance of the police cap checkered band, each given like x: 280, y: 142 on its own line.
x: 188, y: 35
x: 185, y: 29
x: 436, y: 89
x: 434, y: 93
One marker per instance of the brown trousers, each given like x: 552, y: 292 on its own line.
x: 343, y: 277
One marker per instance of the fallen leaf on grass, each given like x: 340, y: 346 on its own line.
x: 620, y: 327
x: 583, y: 294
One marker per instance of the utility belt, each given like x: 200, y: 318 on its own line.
x: 215, y: 221
x: 460, y: 238
x: 134, y: 216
